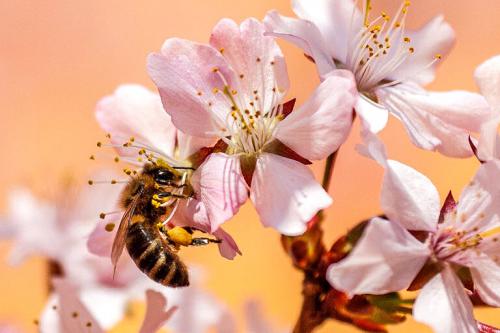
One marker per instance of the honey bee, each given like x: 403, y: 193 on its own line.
x: 150, y: 199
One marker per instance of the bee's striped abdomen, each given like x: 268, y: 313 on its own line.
x: 153, y: 257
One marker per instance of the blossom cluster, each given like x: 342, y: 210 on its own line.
x: 222, y: 117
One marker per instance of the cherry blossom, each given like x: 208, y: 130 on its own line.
x: 232, y: 90
x: 134, y: 113
x: 466, y: 235
x: 390, y: 64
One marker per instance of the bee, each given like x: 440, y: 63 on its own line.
x: 150, y: 199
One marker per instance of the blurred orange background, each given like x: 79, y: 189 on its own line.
x: 59, y: 57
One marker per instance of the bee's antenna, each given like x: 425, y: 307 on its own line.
x: 183, y: 168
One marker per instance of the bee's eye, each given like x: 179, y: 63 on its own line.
x: 163, y: 177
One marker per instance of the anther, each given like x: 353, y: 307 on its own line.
x: 242, y: 76
x: 109, y: 227
x: 99, y: 144
x: 92, y: 157
x: 258, y: 59
x: 221, y: 50
x: 438, y: 56
x: 215, y: 69
x: 91, y: 182
x: 117, y: 159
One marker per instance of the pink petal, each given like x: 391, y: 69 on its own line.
x: 186, y: 74
x: 444, y: 305
x: 437, y: 120
x: 407, y: 196
x: 487, y: 77
x: 379, y: 267
x: 156, y: 313
x: 335, y: 19
x: 189, y: 144
x: 322, y: 123
x: 305, y: 35
x: 486, y: 276
x: 193, y: 213
x: 221, y: 187
x: 489, y: 141
x: 373, y: 117
x: 285, y: 194
x: 69, y: 304
x: 228, y: 248
x: 435, y: 38
x: 255, y: 56
x: 100, y: 241
x: 134, y: 111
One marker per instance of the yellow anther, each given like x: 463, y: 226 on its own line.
x: 411, y: 49
x: 109, y: 227
x: 397, y: 25
x: 91, y: 182
x: 407, y: 39
x: 108, y: 136
x: 438, y: 56
x: 142, y: 151
x: 117, y: 159
x: 221, y: 50
x: 155, y: 203
x: 92, y: 157
x: 99, y: 144
x: 234, y: 92
x: 215, y: 90
x: 179, y: 236
x: 102, y: 216
x: 215, y: 69
x: 113, y: 181
x: 132, y: 139
x: 139, y: 159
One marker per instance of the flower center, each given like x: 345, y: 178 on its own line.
x: 458, y: 243
x: 248, y: 126
x: 379, y: 48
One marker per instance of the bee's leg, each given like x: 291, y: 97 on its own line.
x: 200, y: 241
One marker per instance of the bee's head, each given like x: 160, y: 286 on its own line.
x: 160, y: 174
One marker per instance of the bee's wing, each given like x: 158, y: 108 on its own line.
x: 119, y: 241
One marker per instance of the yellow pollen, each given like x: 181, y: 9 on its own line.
x: 234, y: 92
x: 132, y: 139
x: 438, y: 56
x: 215, y: 90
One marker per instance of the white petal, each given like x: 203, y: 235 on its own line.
x: 486, y: 276
x: 435, y: 38
x: 439, y: 121
x: 337, y: 20
x: 386, y: 258
x: 319, y: 126
x: 285, y: 194
x: 409, y: 197
x: 489, y: 141
x: 374, y: 117
x: 444, y: 305
x: 487, y: 77
x: 305, y: 35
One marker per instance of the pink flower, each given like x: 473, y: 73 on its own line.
x: 135, y: 112
x: 487, y: 77
x: 66, y: 311
x: 466, y: 235
x: 390, y: 65
x: 232, y: 90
